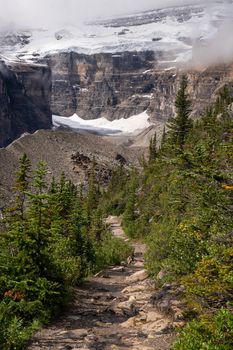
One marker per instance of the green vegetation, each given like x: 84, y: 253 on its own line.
x: 52, y: 237
x: 209, y: 333
x: 181, y: 204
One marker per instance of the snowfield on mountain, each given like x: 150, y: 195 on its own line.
x: 173, y: 33
x: 104, y: 126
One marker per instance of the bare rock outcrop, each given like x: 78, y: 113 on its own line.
x: 120, y: 85
x: 124, y: 84
x: 203, y: 88
x: 101, y: 85
x: 25, y: 92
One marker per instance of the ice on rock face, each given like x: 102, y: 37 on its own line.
x: 172, y: 31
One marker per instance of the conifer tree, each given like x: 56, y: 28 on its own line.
x: 37, y: 226
x: 180, y: 125
x: 129, y: 215
x: 53, y: 186
x: 163, y: 138
x: 22, y: 184
x: 92, y: 195
x: 97, y: 227
x: 153, y: 148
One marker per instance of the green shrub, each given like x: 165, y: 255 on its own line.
x: 208, y: 334
x: 211, y: 284
x: 111, y: 251
x: 14, y: 331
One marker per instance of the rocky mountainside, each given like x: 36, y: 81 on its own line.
x: 203, y: 87
x: 101, y: 85
x: 25, y: 92
x: 67, y: 152
x: 120, y: 85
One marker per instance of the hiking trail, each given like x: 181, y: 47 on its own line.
x: 114, y: 310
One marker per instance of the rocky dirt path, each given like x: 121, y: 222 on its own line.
x: 113, y: 310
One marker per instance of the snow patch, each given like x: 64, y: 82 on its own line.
x: 103, y: 126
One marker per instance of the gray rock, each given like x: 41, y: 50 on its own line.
x: 24, y: 100
x: 101, y: 85
x: 137, y: 276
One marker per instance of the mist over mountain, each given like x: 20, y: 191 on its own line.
x: 59, y: 12
x: 184, y: 31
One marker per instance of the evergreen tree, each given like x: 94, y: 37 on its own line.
x: 224, y: 99
x: 97, y: 227
x: 129, y: 215
x: 37, y: 221
x: 153, y: 148
x: 22, y: 184
x: 180, y: 125
x: 92, y: 195
x: 163, y: 138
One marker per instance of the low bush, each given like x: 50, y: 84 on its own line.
x: 209, y: 333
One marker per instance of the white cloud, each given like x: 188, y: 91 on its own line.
x: 41, y: 12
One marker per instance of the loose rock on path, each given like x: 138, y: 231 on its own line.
x: 112, y: 311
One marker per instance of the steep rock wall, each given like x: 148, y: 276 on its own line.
x: 203, y: 89
x: 101, y: 85
x: 25, y: 93
x: 121, y: 85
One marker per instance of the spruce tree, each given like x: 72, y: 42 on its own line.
x: 180, y: 125
x: 153, y: 148
x: 129, y: 215
x: 163, y: 138
x: 92, y: 195
x: 22, y: 184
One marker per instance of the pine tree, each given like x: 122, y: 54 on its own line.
x: 163, y: 138
x: 53, y: 186
x: 97, y: 225
x: 129, y: 215
x: 39, y: 198
x: 153, y: 148
x: 92, y: 195
x: 22, y: 184
x: 180, y: 125
x: 37, y: 221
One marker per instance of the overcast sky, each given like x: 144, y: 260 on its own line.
x: 43, y: 12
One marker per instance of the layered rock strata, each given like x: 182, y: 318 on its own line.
x: 101, y: 85
x: 121, y: 85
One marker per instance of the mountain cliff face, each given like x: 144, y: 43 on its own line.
x: 101, y: 85
x: 25, y: 92
x: 106, y: 85
x: 203, y: 89
x: 121, y: 85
